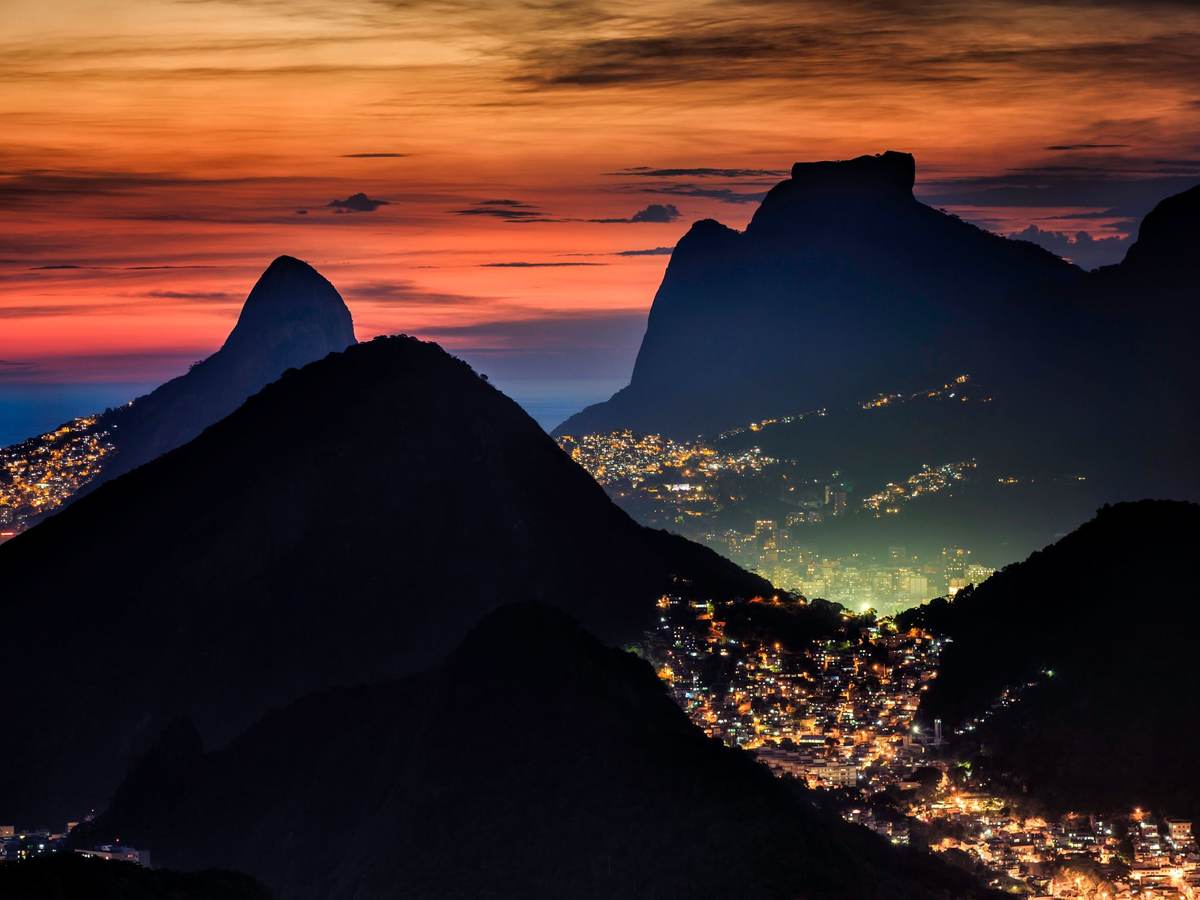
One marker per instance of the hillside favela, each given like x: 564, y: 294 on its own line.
x: 549, y: 450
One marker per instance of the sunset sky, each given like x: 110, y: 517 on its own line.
x: 507, y: 177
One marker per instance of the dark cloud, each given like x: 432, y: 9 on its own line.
x: 1087, y: 146
x: 15, y: 369
x: 724, y: 195
x: 834, y: 48
x: 648, y: 172
x: 652, y: 251
x: 1123, y: 187
x: 45, y: 310
x: 359, y: 202
x: 197, y: 296
x: 536, y: 265
x: 655, y: 212
x: 153, y: 268
x: 150, y: 367
x: 1082, y: 249
x: 374, y: 155
x: 508, y: 210
x: 402, y: 293
x: 55, y: 187
x: 59, y: 266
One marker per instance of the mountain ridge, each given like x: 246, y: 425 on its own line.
x: 345, y: 524
x: 1096, y: 638
x: 555, y: 765
x: 841, y: 252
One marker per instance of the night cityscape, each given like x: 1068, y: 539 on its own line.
x: 681, y: 451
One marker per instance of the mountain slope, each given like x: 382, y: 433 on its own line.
x: 535, y: 762
x: 346, y: 524
x: 292, y: 317
x: 842, y: 286
x: 1105, y: 611
x: 66, y: 877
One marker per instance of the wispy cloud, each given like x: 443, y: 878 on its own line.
x: 196, y: 296
x: 537, y: 265
x: 723, y: 195
x: 650, y: 251
x: 402, y: 293
x: 702, y: 172
x: 507, y: 210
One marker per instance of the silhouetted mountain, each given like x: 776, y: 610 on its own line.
x: 1166, y: 243
x: 292, y: 317
x: 71, y: 877
x: 346, y: 524
x: 1107, y: 611
x: 844, y: 287
x: 534, y: 762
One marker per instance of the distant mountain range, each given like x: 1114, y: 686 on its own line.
x: 844, y: 287
x: 1075, y: 668
x: 346, y: 524
x: 534, y: 762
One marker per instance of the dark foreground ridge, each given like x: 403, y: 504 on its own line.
x: 70, y: 877
x: 534, y: 762
x: 1115, y: 725
x: 347, y: 524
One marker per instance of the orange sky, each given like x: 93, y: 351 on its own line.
x: 164, y: 148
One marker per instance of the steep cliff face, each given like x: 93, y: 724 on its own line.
x: 1165, y: 249
x: 842, y: 286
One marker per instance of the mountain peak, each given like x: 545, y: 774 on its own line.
x: 847, y: 191
x: 291, y: 300
x: 887, y: 172
x: 1167, y: 236
x: 346, y: 524
x: 292, y: 317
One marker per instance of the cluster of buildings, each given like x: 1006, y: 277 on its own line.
x: 42, y: 473
x: 1132, y: 857
x: 637, y: 459
x: 688, y: 485
x: 18, y: 846
x: 765, y: 514
x: 666, y: 483
x: 837, y: 713
x: 930, y: 480
x: 887, y: 585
